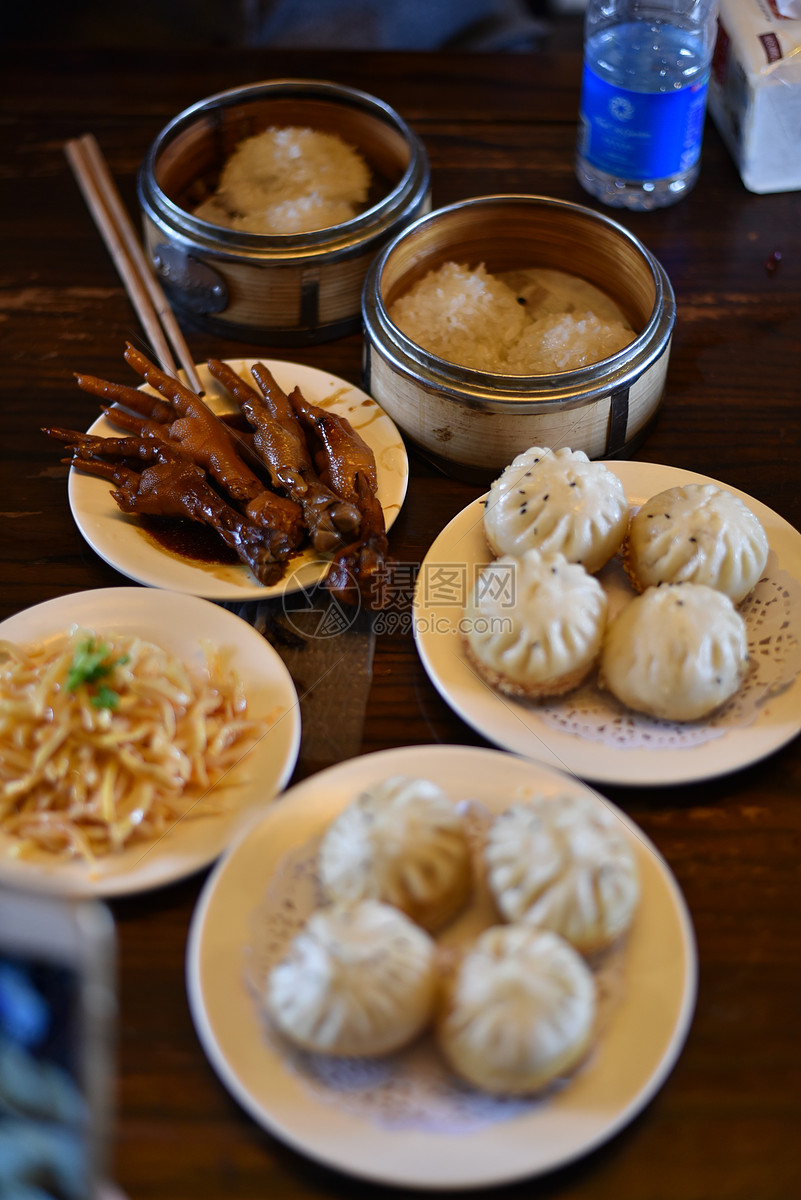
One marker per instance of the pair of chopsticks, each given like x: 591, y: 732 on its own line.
x: 152, y: 307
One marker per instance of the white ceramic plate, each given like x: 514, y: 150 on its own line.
x: 638, y: 1048
x: 519, y: 727
x: 178, y: 623
x: 122, y: 542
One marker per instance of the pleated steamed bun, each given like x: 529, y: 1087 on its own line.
x: 698, y: 533
x: 402, y: 841
x: 563, y: 863
x: 519, y: 1010
x: 676, y: 652
x: 358, y: 980
x: 533, y: 626
x: 558, y: 502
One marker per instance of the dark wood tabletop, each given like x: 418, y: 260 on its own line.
x: 725, y: 1124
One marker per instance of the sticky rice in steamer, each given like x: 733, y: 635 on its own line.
x: 529, y: 322
x: 288, y: 180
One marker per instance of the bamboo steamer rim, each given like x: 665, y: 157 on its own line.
x: 519, y: 394
x: 278, y: 247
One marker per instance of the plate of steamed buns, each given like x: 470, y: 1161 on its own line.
x: 442, y: 966
x: 627, y: 621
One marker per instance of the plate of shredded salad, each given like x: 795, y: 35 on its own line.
x: 139, y: 729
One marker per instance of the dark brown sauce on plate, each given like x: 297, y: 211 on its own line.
x: 188, y: 539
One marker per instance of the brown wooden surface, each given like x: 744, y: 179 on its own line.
x: 725, y: 1125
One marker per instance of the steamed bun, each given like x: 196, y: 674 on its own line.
x: 519, y: 1010
x: 558, y: 502
x: 403, y: 841
x: 533, y: 625
x: 698, y: 533
x: 563, y: 863
x: 675, y: 652
x: 357, y: 980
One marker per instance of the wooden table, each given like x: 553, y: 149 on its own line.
x: 725, y: 1125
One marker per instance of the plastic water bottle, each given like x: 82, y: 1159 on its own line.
x: 643, y: 99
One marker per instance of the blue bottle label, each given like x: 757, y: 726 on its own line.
x: 640, y: 135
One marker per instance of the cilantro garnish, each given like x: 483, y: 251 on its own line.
x: 105, y: 697
x: 90, y: 665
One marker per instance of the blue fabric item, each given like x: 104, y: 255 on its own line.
x: 393, y: 24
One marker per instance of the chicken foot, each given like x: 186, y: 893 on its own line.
x: 279, y: 439
x: 170, y: 485
x: 275, y: 512
x: 185, y: 421
x: 359, y: 571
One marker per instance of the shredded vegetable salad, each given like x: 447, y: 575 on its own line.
x: 104, y: 740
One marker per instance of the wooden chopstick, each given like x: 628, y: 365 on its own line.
x: 145, y: 292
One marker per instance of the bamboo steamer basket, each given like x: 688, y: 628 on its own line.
x: 472, y: 423
x: 284, y: 289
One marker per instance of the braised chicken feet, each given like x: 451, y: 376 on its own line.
x: 279, y: 440
x: 170, y: 485
x: 302, y: 472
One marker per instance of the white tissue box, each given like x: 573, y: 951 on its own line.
x: 755, y: 90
